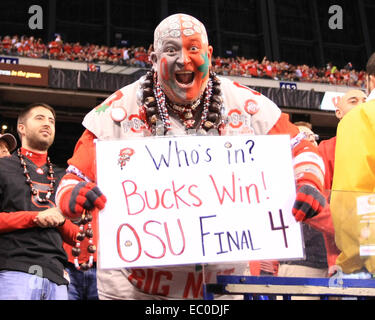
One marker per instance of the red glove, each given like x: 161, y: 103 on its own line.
x: 84, y: 195
x: 309, y: 202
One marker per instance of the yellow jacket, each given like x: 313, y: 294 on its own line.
x: 353, y: 189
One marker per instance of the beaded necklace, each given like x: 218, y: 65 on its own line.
x: 85, y: 219
x: 153, y: 99
x: 51, y: 177
x: 91, y: 248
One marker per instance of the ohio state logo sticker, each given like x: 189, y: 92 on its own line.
x: 235, y: 118
x: 251, y: 107
x: 124, y: 156
x: 137, y: 123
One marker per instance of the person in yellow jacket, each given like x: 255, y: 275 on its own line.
x: 353, y: 188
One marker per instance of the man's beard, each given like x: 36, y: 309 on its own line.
x: 39, y: 144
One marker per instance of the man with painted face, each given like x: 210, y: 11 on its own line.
x: 180, y: 95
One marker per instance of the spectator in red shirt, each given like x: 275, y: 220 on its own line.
x: 40, y: 49
x: 55, y: 48
x: 7, y: 44
x: 140, y: 57
x: 67, y: 47
x: 77, y: 48
x: 267, y: 68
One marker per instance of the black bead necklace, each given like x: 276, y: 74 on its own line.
x: 82, y: 234
x: 86, y: 217
x: 50, y: 174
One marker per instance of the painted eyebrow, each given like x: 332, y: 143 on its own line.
x: 195, y: 43
x: 171, y: 42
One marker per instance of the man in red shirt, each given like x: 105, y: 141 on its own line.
x: 7, y: 44
x: 55, y: 48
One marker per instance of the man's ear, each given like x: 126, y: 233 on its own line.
x: 154, y: 59
x: 338, y: 113
x: 21, y: 129
x: 210, y: 51
x: 372, y: 81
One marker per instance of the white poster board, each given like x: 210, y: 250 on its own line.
x: 196, y: 199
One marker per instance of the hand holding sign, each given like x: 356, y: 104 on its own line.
x: 84, y: 195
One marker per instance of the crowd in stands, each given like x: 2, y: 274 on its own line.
x: 284, y: 71
x: 65, y: 51
x: 139, y: 57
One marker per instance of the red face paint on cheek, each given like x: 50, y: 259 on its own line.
x: 197, y: 61
x: 200, y: 80
x: 164, y: 69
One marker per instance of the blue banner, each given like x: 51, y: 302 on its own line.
x: 288, y: 85
x: 9, y: 60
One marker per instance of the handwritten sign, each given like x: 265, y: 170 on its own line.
x: 331, y: 100
x: 196, y: 199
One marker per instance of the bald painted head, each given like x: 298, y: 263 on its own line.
x: 182, y: 58
x: 350, y: 100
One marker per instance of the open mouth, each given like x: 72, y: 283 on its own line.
x: 184, y: 77
x: 44, y: 132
